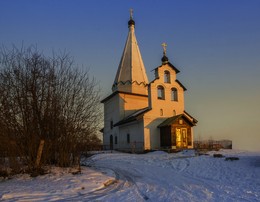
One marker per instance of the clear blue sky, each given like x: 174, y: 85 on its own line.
x: 215, y: 44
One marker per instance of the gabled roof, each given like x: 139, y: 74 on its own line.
x: 191, y: 117
x: 171, y: 65
x: 171, y: 120
x: 175, y: 69
x: 181, y: 84
x: 133, y: 117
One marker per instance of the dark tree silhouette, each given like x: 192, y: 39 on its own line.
x: 48, y: 99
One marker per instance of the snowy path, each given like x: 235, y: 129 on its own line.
x: 155, y: 176
x: 146, y: 181
x: 165, y: 177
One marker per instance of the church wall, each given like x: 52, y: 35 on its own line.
x: 151, y: 132
x: 117, y: 108
x: 131, y: 103
x: 167, y: 105
x: 111, y: 114
x: 135, y: 130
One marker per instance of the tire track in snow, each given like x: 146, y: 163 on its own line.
x: 127, y: 182
x: 181, y: 165
x: 101, y: 193
x: 128, y: 178
x: 198, y: 188
x: 203, y: 185
x: 124, y: 181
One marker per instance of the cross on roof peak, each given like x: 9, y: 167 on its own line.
x: 164, y: 45
x: 131, y: 13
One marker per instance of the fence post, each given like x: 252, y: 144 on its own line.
x: 39, y: 154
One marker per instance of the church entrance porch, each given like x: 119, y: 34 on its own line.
x: 175, y: 133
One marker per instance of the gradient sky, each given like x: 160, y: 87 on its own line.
x: 215, y: 44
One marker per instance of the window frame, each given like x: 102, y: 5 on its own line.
x: 174, y: 94
x: 167, y: 77
x: 160, y: 92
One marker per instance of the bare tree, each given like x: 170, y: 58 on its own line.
x: 47, y: 99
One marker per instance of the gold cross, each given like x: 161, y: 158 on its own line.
x: 164, y: 45
x: 131, y: 13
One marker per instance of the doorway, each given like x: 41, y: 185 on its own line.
x: 181, y: 137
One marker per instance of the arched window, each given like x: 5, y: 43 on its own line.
x: 167, y: 77
x: 174, y: 94
x: 160, y: 92
x: 128, y: 138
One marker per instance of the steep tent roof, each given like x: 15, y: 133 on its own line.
x: 131, y: 68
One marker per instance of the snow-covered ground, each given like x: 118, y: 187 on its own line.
x: 156, y: 176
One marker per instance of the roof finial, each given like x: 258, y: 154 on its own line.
x: 131, y: 13
x: 164, y: 58
x: 164, y: 45
x: 131, y: 22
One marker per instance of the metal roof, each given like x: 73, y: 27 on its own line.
x: 171, y: 120
x: 133, y: 117
x: 131, y: 68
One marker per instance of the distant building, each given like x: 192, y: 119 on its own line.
x: 141, y: 115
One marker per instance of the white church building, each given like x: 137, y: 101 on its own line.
x: 140, y: 115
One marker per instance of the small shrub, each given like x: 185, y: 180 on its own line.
x: 231, y: 158
x: 4, y: 174
x: 36, y: 172
x: 218, y: 156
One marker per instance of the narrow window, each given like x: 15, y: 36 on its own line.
x: 167, y: 77
x: 160, y: 92
x: 111, y: 125
x: 161, y: 112
x: 128, y: 138
x: 115, y: 139
x: 174, y: 94
x: 111, y: 142
x: 174, y: 113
